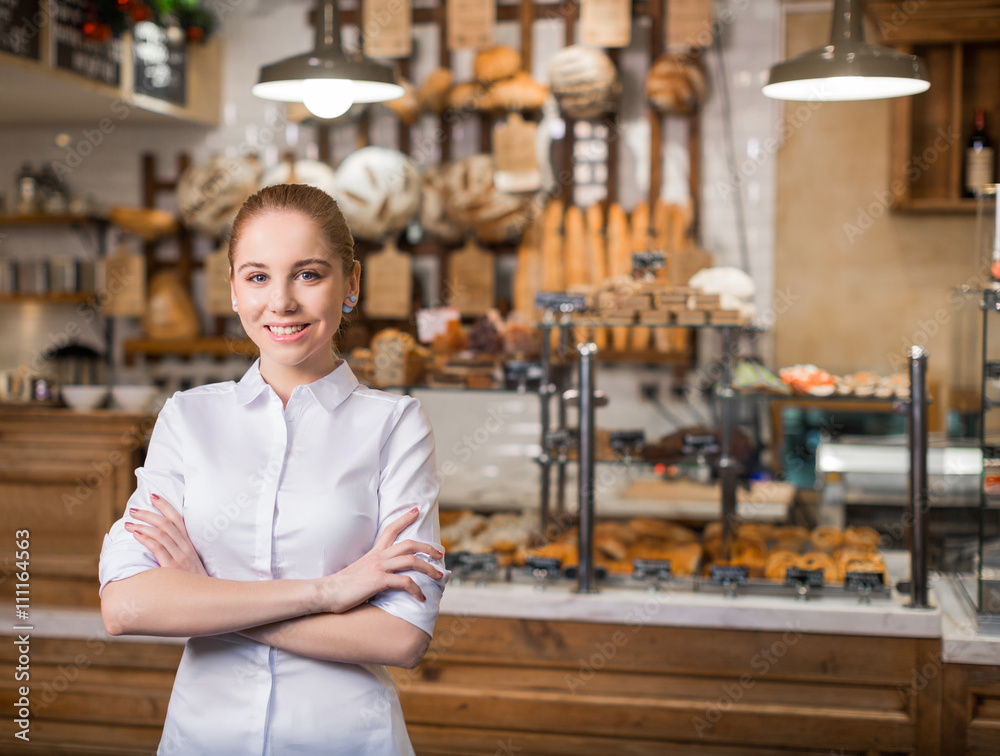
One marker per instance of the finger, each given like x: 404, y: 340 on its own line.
x: 394, y: 528
x: 408, y: 585
x: 164, y: 528
x: 403, y: 563
x: 167, y: 509
x: 164, y: 557
x: 415, y: 547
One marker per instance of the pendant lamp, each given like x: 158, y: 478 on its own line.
x: 326, y: 80
x: 848, y: 68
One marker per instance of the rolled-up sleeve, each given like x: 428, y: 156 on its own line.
x: 122, y: 555
x: 408, y: 479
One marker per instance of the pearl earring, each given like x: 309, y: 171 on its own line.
x: 234, y: 304
x: 348, y: 308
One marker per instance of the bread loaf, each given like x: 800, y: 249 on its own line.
x: 433, y: 207
x: 675, y: 84
x: 496, y: 64
x: 520, y: 92
x: 552, y: 248
x: 434, y: 91
x: 619, y: 253
x: 528, y: 276
x: 378, y: 192
x: 597, y: 262
x: 467, y: 96
x: 640, y: 242
x: 584, y: 80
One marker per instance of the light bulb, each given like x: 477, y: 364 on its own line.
x: 328, y: 98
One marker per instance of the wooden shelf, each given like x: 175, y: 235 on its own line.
x: 69, y: 297
x: 212, y: 346
x: 41, y: 219
x: 930, y: 130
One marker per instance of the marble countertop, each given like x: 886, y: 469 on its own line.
x: 71, y: 622
x: 962, y: 643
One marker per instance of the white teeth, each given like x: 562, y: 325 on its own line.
x: 285, y: 330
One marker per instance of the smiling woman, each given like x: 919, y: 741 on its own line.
x: 292, y: 271
x: 285, y: 524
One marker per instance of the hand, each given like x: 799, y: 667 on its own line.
x: 377, y: 570
x: 166, y: 536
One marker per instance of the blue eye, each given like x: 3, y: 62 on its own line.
x: 256, y: 278
x: 308, y: 275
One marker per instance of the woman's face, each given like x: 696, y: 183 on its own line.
x: 290, y: 290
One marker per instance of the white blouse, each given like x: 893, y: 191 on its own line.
x: 298, y: 492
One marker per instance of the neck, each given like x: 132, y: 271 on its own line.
x: 284, y: 378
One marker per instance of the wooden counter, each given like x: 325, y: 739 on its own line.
x: 64, y: 478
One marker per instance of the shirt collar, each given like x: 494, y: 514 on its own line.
x: 329, y: 391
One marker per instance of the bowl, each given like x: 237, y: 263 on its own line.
x: 84, y: 398
x: 133, y: 398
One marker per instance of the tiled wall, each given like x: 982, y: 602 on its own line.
x: 258, y: 32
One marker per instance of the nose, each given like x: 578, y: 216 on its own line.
x: 283, y: 298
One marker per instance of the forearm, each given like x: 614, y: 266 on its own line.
x: 171, y: 602
x: 363, y: 635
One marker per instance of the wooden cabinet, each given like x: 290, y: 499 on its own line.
x: 64, y: 478
x: 959, y: 41
x: 970, y: 721
x: 548, y: 687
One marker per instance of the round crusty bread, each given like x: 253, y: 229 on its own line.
x: 378, y: 190
x: 584, y: 80
x: 434, y: 91
x: 675, y: 84
x: 210, y: 194
x: 474, y: 204
x: 496, y: 64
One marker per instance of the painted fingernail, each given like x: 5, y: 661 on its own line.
x: 153, y: 496
x: 415, y: 509
x: 439, y: 553
x: 423, y: 597
x: 439, y: 574
x: 129, y: 526
x: 133, y: 511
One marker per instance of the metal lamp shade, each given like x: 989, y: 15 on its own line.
x: 848, y: 68
x: 286, y: 79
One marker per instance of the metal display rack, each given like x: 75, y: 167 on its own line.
x: 557, y: 437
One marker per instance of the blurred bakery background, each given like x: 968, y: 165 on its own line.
x: 752, y: 272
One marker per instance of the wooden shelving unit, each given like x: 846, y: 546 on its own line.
x: 210, y: 346
x: 959, y: 42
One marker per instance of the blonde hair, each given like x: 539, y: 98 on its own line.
x: 313, y: 203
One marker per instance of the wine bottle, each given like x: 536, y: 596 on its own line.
x: 979, y: 157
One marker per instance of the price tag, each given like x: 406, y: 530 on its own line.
x: 854, y: 581
x: 471, y: 280
x: 728, y: 574
x: 627, y: 440
x: 19, y: 28
x: 606, y: 23
x: 561, y: 301
x: 796, y: 576
x: 218, y: 294
x: 643, y: 569
x: 467, y: 562
x: 648, y: 261
x: 160, y: 69
x: 549, y: 565
x: 515, y: 156
x: 125, y: 283
x: 388, y: 284
x: 689, y: 23
x: 471, y: 23
x: 387, y: 27
x: 99, y: 61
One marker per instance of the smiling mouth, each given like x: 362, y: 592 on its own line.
x: 286, y: 330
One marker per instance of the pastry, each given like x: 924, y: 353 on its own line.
x: 827, y: 538
x: 675, y: 84
x: 496, y: 64
x: 433, y: 93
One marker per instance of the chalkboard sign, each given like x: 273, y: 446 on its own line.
x: 20, y: 22
x: 99, y: 61
x: 160, y: 68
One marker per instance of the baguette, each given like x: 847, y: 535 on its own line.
x: 640, y: 241
x: 597, y: 261
x: 619, y: 255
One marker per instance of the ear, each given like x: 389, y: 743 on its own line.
x: 232, y: 290
x: 354, y: 285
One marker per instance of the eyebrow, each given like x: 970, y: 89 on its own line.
x: 299, y: 264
